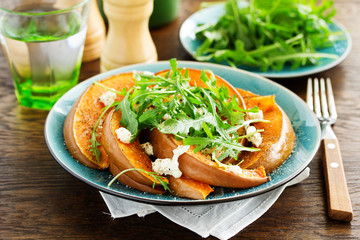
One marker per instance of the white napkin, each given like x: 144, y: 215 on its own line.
x: 221, y: 220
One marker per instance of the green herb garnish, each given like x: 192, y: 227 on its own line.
x: 269, y: 34
x: 154, y: 175
x: 94, y: 142
x: 128, y: 117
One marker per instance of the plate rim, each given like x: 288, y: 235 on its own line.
x: 184, y: 201
x: 270, y: 74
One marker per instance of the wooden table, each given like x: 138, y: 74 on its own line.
x: 40, y: 200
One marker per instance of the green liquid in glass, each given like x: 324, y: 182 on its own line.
x: 44, y: 55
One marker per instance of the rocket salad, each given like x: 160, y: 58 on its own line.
x: 269, y: 34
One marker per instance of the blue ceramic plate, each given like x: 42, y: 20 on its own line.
x: 212, y: 14
x: 303, y: 120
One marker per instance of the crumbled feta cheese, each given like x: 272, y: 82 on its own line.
x: 147, y: 73
x: 250, y: 129
x: 257, y: 115
x: 123, y: 135
x: 179, y: 151
x: 166, y: 116
x: 148, y: 148
x: 107, y: 98
x: 200, y: 111
x: 234, y: 169
x: 255, y: 138
x: 166, y: 166
x: 169, y: 166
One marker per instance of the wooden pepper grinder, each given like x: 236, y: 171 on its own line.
x: 95, y: 35
x: 128, y: 40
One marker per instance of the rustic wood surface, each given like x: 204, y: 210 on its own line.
x: 40, y: 200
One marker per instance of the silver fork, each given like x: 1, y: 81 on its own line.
x: 320, y: 99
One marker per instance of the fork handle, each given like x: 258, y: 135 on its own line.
x: 339, y: 204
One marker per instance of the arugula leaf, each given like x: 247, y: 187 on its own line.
x: 128, y: 117
x: 94, y: 146
x: 212, y: 109
x: 122, y: 93
x: 173, y: 65
x: 207, y: 130
x: 94, y: 142
x: 157, y: 178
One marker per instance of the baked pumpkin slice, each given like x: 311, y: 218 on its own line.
x: 189, y: 188
x: 198, y: 167
x: 278, y: 137
x: 80, y: 122
x: 126, y: 155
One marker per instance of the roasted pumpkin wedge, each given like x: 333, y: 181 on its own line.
x: 189, y: 188
x: 126, y: 155
x: 196, y: 166
x: 82, y: 117
x: 278, y: 138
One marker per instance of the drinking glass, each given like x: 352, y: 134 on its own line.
x: 43, y: 41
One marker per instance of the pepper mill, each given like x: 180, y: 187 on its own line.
x: 95, y: 35
x: 128, y: 40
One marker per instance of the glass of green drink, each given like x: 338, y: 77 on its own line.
x: 43, y: 41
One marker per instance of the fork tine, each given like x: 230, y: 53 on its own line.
x: 331, y: 100
x: 317, y: 105
x: 324, y: 104
x: 309, y: 94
